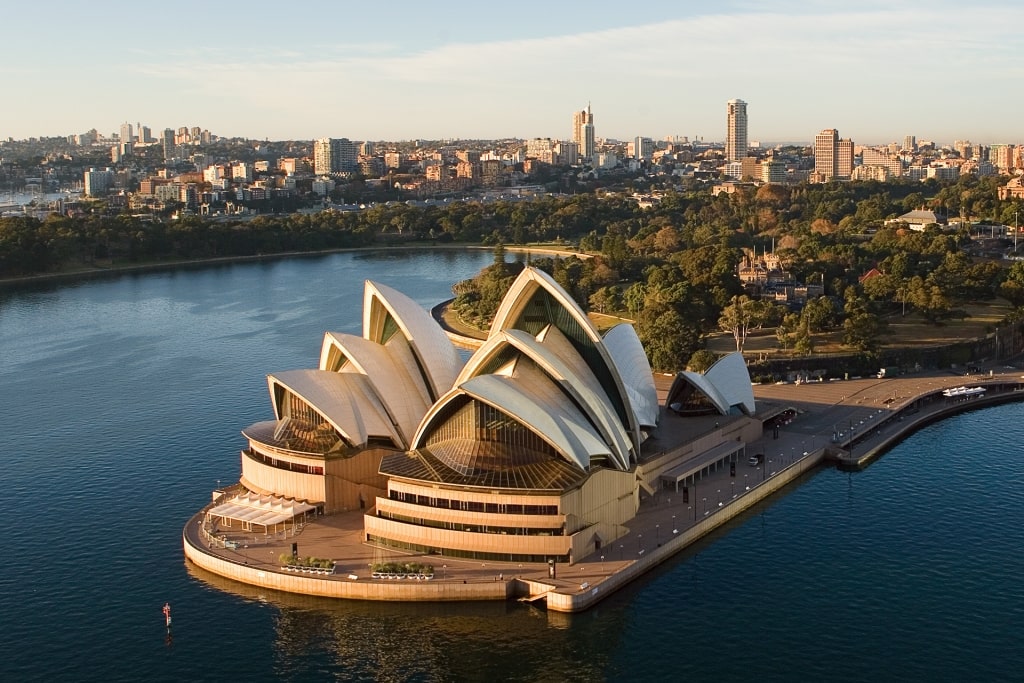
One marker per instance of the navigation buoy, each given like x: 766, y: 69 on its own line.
x: 167, y: 615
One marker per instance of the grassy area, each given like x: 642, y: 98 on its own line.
x: 911, y: 331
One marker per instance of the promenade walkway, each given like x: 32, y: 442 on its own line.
x: 868, y: 414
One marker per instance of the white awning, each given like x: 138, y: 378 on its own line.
x: 263, y: 510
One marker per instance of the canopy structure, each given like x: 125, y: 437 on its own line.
x: 265, y: 511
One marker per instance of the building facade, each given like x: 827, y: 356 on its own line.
x: 583, y: 133
x: 736, y: 130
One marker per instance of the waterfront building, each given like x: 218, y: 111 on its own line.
x: 98, y: 182
x: 736, y: 130
x: 533, y: 450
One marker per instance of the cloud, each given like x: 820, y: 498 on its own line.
x: 800, y: 65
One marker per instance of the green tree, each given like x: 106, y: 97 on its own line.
x: 819, y: 314
x: 701, y: 360
x: 803, y: 340
x: 743, y: 315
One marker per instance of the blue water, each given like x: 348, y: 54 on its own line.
x: 121, y: 405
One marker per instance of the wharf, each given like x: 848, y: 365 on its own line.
x: 850, y: 422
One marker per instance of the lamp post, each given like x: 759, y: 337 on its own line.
x: 674, y: 529
x: 657, y: 534
x: 705, y: 506
x: 639, y: 542
x: 444, y: 571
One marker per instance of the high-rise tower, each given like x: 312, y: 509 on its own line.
x: 736, y: 130
x: 833, y: 158
x: 583, y: 132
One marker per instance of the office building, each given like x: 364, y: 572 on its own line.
x: 583, y: 133
x: 169, y: 144
x: 833, y: 157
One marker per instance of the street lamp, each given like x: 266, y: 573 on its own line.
x: 444, y: 571
x: 705, y: 505
x: 657, y: 535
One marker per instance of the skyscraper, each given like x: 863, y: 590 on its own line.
x: 169, y: 145
x: 126, y: 132
x: 736, y: 130
x: 583, y: 132
x: 825, y: 154
x: 844, y: 158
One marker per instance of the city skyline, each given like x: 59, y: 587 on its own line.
x: 416, y: 72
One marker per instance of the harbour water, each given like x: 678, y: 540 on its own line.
x: 122, y: 402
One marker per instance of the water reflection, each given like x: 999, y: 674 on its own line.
x: 392, y: 641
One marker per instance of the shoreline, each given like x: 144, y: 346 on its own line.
x: 96, y: 272
x: 587, y: 581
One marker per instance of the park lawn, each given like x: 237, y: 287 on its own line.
x: 910, y: 331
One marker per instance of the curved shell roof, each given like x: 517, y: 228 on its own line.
x: 521, y: 309
x: 627, y: 351
x: 397, y: 384
x: 345, y: 400
x: 731, y: 377
x: 556, y: 420
x: 726, y: 384
x: 434, y: 352
x: 575, y: 380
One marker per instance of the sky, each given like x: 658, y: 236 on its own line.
x: 401, y: 69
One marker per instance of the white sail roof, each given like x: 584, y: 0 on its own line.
x: 391, y: 373
x: 573, y: 379
x: 345, y: 400
x: 549, y: 415
x: 628, y: 353
x: 435, y: 354
x: 731, y: 378
x: 522, y: 309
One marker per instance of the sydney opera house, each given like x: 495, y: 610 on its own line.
x: 540, y: 447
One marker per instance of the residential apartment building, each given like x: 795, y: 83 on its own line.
x: 333, y: 155
x: 736, y: 130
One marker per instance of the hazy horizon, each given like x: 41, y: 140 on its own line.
x: 939, y: 71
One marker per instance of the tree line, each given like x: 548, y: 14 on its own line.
x: 672, y: 267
